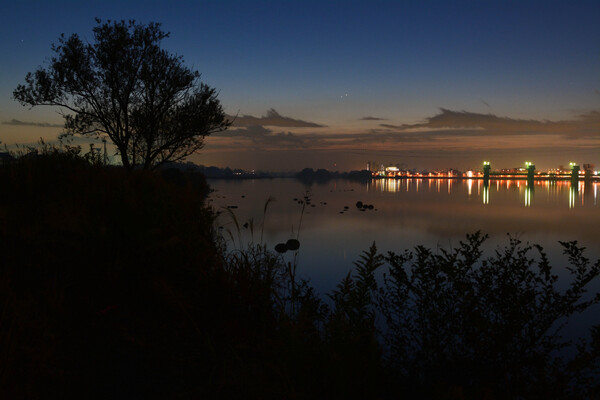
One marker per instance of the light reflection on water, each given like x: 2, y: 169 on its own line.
x: 576, y: 192
x: 436, y: 213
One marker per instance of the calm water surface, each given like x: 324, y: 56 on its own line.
x: 406, y: 213
x: 435, y: 213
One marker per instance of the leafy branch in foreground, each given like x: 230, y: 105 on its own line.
x: 486, y: 325
x: 441, y: 323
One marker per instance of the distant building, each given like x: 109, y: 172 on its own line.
x: 589, y: 170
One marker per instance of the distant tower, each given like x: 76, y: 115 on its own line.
x: 486, y: 170
x: 530, y: 171
x: 105, y: 157
x: 574, y: 171
x: 589, y: 170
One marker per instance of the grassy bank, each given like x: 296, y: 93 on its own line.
x: 114, y: 284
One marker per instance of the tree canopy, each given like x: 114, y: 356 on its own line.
x: 125, y: 86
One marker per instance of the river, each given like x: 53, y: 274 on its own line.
x: 436, y: 213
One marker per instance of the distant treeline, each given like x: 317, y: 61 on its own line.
x: 307, y: 175
x: 117, y: 284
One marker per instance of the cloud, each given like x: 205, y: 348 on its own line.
x: 447, y: 134
x: 249, y: 132
x: 291, y: 138
x: 464, y: 123
x: 272, y: 118
x: 463, y: 119
x: 390, y: 126
x: 16, y: 122
x: 368, y: 118
x: 258, y: 136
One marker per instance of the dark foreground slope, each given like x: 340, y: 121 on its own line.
x: 112, y: 286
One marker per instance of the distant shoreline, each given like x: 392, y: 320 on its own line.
x: 456, y: 178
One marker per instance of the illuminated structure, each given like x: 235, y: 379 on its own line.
x: 574, y: 171
x: 486, y: 167
x: 486, y: 171
x: 588, y: 171
x: 530, y: 170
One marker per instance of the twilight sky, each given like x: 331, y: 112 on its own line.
x: 334, y: 84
